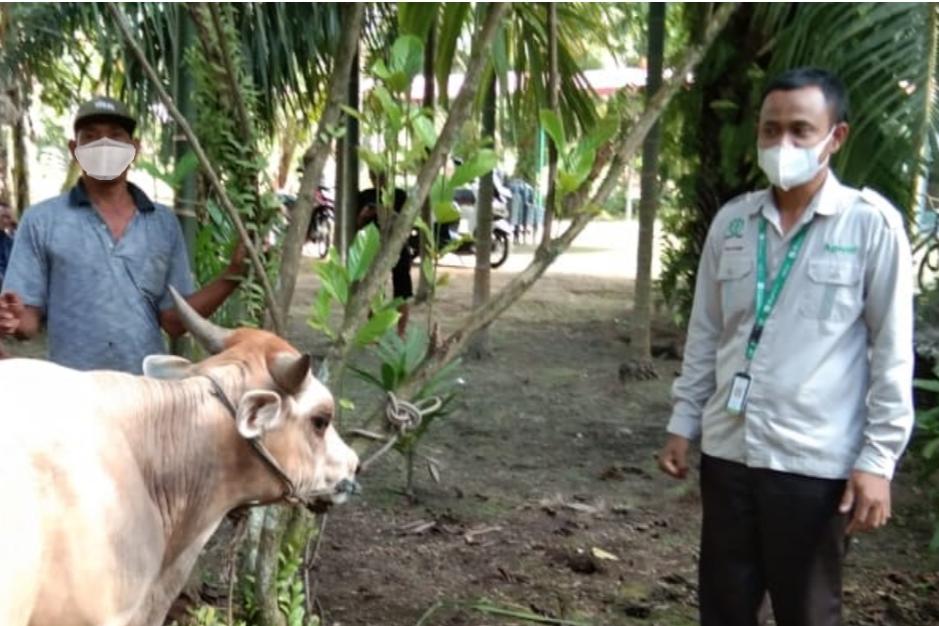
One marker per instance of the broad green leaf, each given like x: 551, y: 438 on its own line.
x: 407, y: 56
x: 445, y: 212
x: 554, y: 127
x: 321, y: 307
x: 422, y: 226
x: 472, y: 168
x: 380, y: 323
x: 333, y: 278
x: 928, y: 385
x: 389, y: 377
x: 381, y: 70
x: 444, y: 280
x: 425, y: 131
x: 567, y: 182
x: 391, y: 108
x: 602, y: 132
x: 456, y: 15
x: 416, y: 18
x: 398, y: 81
x: 366, y: 376
x: 351, y: 112
x: 362, y: 252
x: 930, y: 448
x: 455, y: 244
x: 440, y: 190
x: 373, y: 161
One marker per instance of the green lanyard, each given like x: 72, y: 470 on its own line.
x: 764, y: 302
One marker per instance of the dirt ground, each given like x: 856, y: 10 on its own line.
x: 549, y: 501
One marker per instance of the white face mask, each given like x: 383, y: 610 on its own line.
x: 105, y: 159
x: 788, y: 166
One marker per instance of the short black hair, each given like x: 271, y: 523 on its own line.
x: 832, y: 88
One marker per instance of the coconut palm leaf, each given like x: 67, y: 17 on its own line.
x: 882, y: 51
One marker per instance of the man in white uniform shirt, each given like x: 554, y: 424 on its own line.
x: 797, y: 371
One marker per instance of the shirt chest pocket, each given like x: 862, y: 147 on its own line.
x: 149, y: 274
x: 735, y: 277
x: 833, y: 291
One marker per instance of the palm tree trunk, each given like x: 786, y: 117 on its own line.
x: 350, y: 161
x: 427, y: 214
x: 479, y: 346
x: 641, y: 335
x: 932, y: 34
x: 5, y: 191
x: 20, y: 154
x: 288, y: 149
x: 553, y: 84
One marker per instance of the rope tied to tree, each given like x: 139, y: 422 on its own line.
x: 403, y: 417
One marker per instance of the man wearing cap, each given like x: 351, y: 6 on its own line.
x: 94, y: 264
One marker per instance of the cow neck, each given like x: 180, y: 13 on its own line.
x: 290, y: 490
x: 191, y: 458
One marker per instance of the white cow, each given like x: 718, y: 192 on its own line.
x: 111, y: 484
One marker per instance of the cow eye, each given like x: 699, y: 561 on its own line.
x: 320, y: 422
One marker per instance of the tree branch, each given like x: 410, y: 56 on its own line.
x: 276, y: 314
x: 246, y: 127
x: 314, y: 159
x: 545, y: 255
x: 357, y: 307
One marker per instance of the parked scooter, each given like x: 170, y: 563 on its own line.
x: 462, y: 230
x: 320, y: 230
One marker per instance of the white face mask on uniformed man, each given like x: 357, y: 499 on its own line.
x: 788, y: 166
x: 105, y: 158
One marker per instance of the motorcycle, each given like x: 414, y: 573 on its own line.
x: 458, y: 234
x: 322, y: 221
x: 320, y: 231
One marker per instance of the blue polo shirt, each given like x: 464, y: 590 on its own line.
x: 101, y: 297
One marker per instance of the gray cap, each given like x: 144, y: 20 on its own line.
x: 104, y: 108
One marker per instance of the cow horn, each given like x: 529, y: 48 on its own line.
x: 290, y: 372
x: 209, y: 336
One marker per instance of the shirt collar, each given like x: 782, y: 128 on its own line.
x: 78, y: 197
x: 827, y: 200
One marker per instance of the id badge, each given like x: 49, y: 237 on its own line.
x: 739, y: 390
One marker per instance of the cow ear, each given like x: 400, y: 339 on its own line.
x: 166, y: 367
x: 258, y: 412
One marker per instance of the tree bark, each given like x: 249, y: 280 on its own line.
x: 314, y: 159
x: 427, y: 212
x: 350, y: 162
x: 288, y: 148
x: 640, y: 366
x: 5, y: 188
x: 479, y: 347
x: 20, y: 154
x: 357, y: 307
x: 553, y: 82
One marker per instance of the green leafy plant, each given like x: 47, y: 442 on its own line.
x: 576, y: 161
x: 398, y: 360
x: 927, y: 438
x: 336, y: 281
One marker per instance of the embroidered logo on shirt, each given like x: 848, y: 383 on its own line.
x: 840, y: 249
x: 734, y: 229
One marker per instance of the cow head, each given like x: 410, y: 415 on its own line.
x: 279, y: 403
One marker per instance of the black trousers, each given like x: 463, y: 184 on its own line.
x: 767, y: 531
